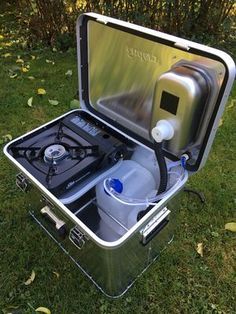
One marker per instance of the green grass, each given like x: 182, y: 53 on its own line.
x: 179, y: 282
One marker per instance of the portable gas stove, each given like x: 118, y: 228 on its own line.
x: 67, y: 151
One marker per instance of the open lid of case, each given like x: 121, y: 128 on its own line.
x: 132, y: 77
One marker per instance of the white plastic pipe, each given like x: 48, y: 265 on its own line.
x: 148, y: 201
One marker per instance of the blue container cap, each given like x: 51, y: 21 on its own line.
x: 116, y: 184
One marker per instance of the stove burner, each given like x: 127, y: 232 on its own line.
x: 55, y: 153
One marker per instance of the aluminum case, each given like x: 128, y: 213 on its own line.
x: 119, y: 63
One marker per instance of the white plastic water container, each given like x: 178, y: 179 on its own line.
x: 148, y: 160
x: 137, y: 182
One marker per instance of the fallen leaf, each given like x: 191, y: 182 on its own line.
x: 70, y: 9
x: 30, y: 102
x: 6, y: 55
x: 19, y: 60
x: 53, y: 102
x: 7, y: 137
x: 199, y: 249
x: 74, y: 104
x: 1, y: 36
x: 8, y: 44
x: 33, y: 57
x: 13, y: 75
x: 41, y: 91
x: 31, y: 278
x: 24, y: 69
x: 213, y: 306
x: 232, y: 104
x: 50, y: 61
x: 43, y: 310
x: 56, y: 274
x: 31, y: 78
x: 69, y: 73
x: 231, y: 226
x: 220, y: 122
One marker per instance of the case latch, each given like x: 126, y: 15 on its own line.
x: 21, y: 182
x: 77, y: 237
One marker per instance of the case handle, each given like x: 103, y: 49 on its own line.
x: 155, y: 226
x: 60, y: 225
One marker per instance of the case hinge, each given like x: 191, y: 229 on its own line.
x: 22, y: 182
x: 77, y: 237
x: 182, y: 46
x: 102, y: 20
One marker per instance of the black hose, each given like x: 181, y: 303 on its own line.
x: 162, y: 167
x: 163, y: 175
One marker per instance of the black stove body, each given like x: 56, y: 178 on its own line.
x: 67, y: 151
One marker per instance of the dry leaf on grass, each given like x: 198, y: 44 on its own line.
x: 56, y: 274
x: 199, y: 249
x: 69, y: 73
x: 6, y: 55
x: 7, y: 137
x: 9, y: 44
x: 232, y: 104
x: 31, y: 278
x: 43, y: 310
x: 231, y: 226
x: 30, y: 102
x: 41, y: 91
x: 74, y: 104
x: 220, y: 122
x: 13, y: 75
x: 19, y: 60
x: 50, y: 61
x: 24, y: 69
x: 53, y: 102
